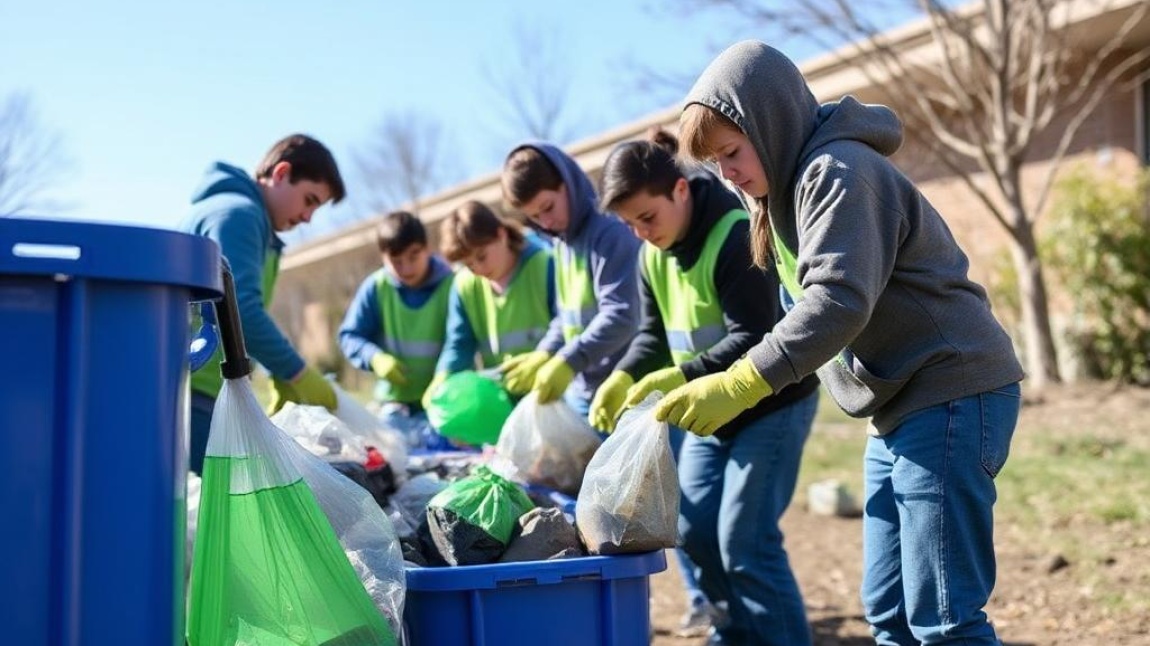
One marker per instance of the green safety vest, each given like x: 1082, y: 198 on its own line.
x: 208, y: 380
x: 688, y: 300
x: 414, y: 336
x: 787, y: 266
x: 575, y: 294
x: 510, y: 323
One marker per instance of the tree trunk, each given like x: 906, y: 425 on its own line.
x: 1038, y: 337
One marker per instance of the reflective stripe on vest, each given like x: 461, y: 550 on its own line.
x: 574, y: 292
x: 414, y: 336
x: 688, y: 301
x: 513, y: 322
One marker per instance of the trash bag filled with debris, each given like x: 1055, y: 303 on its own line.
x: 630, y: 496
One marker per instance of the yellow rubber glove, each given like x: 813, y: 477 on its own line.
x: 552, y: 379
x: 519, y: 371
x: 436, y: 382
x: 608, y: 401
x: 282, y: 393
x: 313, y: 389
x: 706, y: 404
x: 388, y: 368
x: 664, y: 381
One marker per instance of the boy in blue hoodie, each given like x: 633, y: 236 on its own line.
x: 243, y: 214
x: 597, y: 292
x: 395, y: 325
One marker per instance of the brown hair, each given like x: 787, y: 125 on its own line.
x: 309, y: 160
x: 473, y: 225
x: 697, y: 124
x: 640, y: 166
x: 526, y: 172
x: 399, y: 230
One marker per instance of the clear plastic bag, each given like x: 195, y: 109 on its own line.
x: 372, y: 431
x: 287, y: 549
x: 323, y: 434
x: 548, y: 444
x: 630, y: 496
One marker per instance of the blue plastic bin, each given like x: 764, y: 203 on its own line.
x: 93, y: 419
x: 590, y: 601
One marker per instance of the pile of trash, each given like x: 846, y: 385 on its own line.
x: 547, y: 488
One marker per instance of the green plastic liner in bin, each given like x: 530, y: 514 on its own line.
x: 269, y: 570
x: 470, y: 408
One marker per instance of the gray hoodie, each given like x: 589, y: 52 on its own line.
x: 611, y: 251
x: 887, y: 317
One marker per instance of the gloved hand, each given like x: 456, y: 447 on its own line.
x: 552, y: 379
x: 388, y: 368
x: 664, y: 381
x: 308, y: 387
x: 282, y: 393
x: 519, y: 371
x: 313, y: 389
x: 608, y: 401
x: 436, y: 382
x: 704, y: 405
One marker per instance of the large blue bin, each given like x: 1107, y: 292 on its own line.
x: 590, y: 601
x: 93, y: 423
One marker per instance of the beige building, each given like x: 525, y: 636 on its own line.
x: 319, y: 277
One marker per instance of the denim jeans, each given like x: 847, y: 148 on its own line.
x: 928, y: 521
x: 687, y: 567
x: 734, y: 492
x: 200, y: 423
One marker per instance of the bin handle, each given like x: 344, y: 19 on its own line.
x: 205, y: 341
x: 236, y: 364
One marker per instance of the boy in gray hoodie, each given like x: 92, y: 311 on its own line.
x: 596, y: 287
x: 884, y: 312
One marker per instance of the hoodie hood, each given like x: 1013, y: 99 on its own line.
x: 580, y: 193
x: 225, y: 178
x: 764, y: 93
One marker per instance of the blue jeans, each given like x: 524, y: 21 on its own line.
x: 928, y: 520
x: 734, y: 492
x: 201, y: 423
x: 687, y: 567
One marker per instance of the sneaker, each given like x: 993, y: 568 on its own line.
x: 698, y: 620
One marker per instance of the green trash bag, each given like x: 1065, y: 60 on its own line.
x: 471, y: 521
x: 469, y: 407
x: 269, y: 566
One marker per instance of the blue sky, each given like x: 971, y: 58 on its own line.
x: 144, y: 94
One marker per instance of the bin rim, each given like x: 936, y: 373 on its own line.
x: 502, y: 575
x: 110, y: 251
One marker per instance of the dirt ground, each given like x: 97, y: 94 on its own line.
x: 1034, y: 602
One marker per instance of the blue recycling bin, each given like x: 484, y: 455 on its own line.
x: 93, y: 424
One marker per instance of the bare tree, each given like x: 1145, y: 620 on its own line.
x: 532, y: 82
x: 31, y: 159
x: 403, y: 162
x: 1001, y: 74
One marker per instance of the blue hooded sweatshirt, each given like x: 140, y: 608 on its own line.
x: 229, y: 208
x: 611, y: 252
x: 361, y: 333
